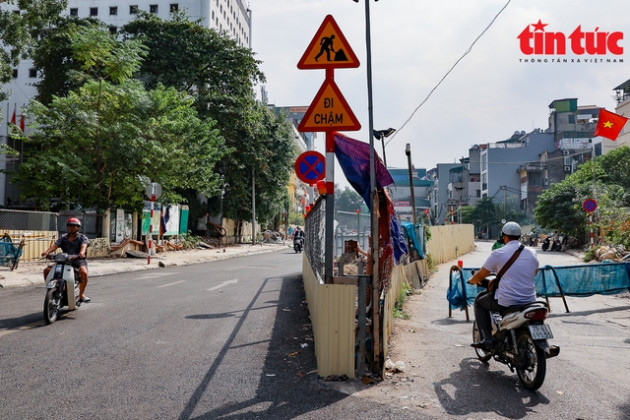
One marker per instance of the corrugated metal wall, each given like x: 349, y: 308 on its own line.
x: 34, y: 242
x: 450, y: 241
x: 332, y: 310
x: 332, y: 306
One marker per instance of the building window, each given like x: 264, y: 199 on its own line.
x: 93, y: 11
x: 74, y: 11
x: 153, y: 8
x: 174, y: 7
x: 113, y: 11
x: 15, y: 73
x: 113, y: 30
x: 133, y: 10
x: 32, y: 73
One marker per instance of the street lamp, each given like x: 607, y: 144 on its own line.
x: 381, y: 135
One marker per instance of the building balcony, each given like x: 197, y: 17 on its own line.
x: 533, y: 167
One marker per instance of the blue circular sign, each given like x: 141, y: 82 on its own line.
x: 589, y: 205
x: 310, y: 167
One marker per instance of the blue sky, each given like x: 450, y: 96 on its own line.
x: 488, y: 95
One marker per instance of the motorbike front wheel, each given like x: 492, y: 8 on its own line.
x: 532, y: 363
x: 51, y: 306
x: 476, y: 336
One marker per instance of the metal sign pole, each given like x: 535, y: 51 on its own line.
x: 330, y: 200
x: 150, y: 239
x: 376, y: 327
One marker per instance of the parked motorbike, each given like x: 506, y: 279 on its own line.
x: 298, y: 244
x: 521, y: 342
x: 556, y: 245
x: 546, y: 243
x: 62, y: 287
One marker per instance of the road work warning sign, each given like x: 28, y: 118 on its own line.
x: 328, y: 49
x: 329, y: 111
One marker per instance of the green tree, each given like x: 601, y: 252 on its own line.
x: 264, y: 158
x: 220, y: 76
x: 55, y: 61
x: 349, y: 200
x: 150, y: 134
x: 559, y: 208
x: 20, y: 32
x: 606, y: 178
x: 485, y: 215
x: 108, y: 136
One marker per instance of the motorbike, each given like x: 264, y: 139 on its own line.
x: 62, y: 287
x: 556, y: 245
x: 521, y: 341
x: 298, y: 244
x: 545, y: 244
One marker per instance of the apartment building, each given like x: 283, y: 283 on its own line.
x: 230, y: 17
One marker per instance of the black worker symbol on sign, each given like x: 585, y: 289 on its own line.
x: 326, y: 46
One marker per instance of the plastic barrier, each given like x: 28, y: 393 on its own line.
x: 576, y: 280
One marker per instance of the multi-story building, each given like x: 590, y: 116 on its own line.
x: 400, y: 192
x: 439, y: 195
x: 622, y: 96
x: 229, y: 17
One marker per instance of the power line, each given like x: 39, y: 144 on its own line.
x: 449, y: 71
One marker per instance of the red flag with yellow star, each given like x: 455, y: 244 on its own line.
x: 609, y: 124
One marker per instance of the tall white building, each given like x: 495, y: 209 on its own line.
x: 229, y: 17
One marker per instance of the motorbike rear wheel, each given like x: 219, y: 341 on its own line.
x: 476, y: 336
x: 533, y: 367
x: 51, y: 306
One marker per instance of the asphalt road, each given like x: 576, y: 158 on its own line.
x: 229, y: 339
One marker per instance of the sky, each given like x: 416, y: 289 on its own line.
x: 489, y: 94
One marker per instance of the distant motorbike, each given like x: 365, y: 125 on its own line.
x: 298, y: 244
x: 556, y: 245
x: 62, y: 287
x: 521, y: 341
x: 545, y: 244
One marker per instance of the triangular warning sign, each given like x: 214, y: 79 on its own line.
x: 329, y: 111
x: 328, y: 49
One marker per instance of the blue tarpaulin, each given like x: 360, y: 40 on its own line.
x: 410, y: 232
x: 577, y: 280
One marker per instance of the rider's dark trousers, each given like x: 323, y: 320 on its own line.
x: 483, y: 305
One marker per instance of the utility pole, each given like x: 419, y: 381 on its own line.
x: 413, y: 196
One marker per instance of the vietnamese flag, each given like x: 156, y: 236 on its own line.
x: 609, y: 124
x: 13, y: 120
x: 22, y: 122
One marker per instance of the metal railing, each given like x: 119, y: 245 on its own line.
x: 314, y: 236
x: 28, y: 220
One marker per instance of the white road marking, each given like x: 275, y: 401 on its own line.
x: 153, y: 275
x: 172, y: 284
x: 220, y: 285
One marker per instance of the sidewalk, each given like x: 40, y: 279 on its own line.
x: 30, y: 273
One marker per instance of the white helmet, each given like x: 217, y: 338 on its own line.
x: 511, y: 229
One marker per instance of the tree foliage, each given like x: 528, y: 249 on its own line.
x: 19, y: 32
x: 349, y: 200
x: 150, y: 134
x: 55, y: 62
x: 220, y: 76
x: 97, y: 146
x: 605, y: 179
